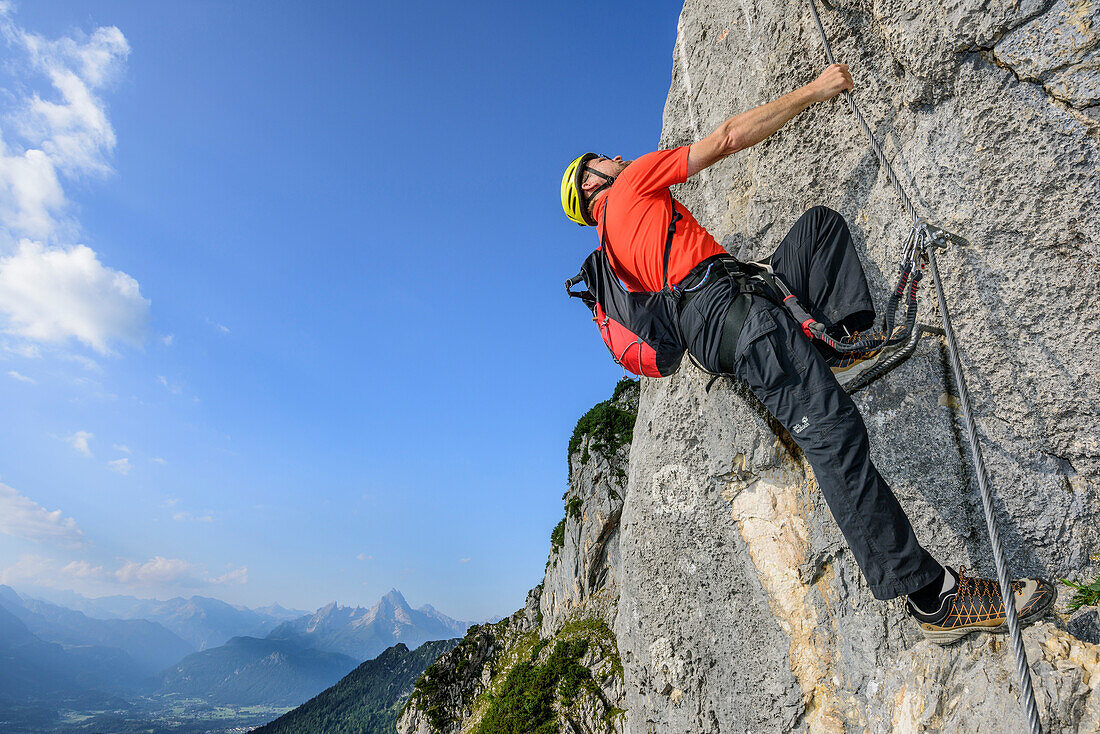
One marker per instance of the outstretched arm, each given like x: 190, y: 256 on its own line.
x: 749, y: 128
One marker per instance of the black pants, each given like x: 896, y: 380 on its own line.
x: 786, y: 372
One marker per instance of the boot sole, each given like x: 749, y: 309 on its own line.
x: 944, y: 637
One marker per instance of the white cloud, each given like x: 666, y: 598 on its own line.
x: 79, y: 441
x: 67, y: 136
x: 158, y: 571
x: 50, y: 289
x: 25, y: 518
x: 53, y: 294
x: 158, y: 460
x: 463, y: 560
x: 22, y: 378
x: 167, y: 339
x: 29, y: 192
x: 364, y: 557
x: 122, y: 466
x: 122, y: 447
x: 74, y: 132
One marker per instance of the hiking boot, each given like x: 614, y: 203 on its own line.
x: 847, y: 368
x: 974, y: 605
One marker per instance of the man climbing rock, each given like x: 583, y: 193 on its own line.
x: 798, y: 382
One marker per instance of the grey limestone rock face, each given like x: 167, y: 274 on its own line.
x: 581, y: 575
x: 740, y: 608
x: 1058, y: 48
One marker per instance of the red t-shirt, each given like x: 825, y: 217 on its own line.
x: 637, y: 223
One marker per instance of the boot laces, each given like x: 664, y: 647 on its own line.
x: 975, y: 585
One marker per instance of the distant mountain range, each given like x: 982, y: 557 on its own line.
x: 368, y: 699
x: 247, y: 671
x: 202, y: 621
x: 364, y: 633
x: 115, y: 649
x: 149, y: 646
x: 288, y: 666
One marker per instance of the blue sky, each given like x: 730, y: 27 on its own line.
x: 281, y: 304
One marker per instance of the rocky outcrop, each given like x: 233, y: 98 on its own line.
x: 555, y: 661
x: 740, y: 607
x: 581, y: 572
x: 447, y: 693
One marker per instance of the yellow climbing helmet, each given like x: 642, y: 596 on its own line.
x: 573, y: 200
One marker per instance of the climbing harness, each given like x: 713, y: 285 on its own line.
x: 939, y: 238
x: 911, y: 271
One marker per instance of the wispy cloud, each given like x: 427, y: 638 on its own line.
x: 122, y: 447
x: 364, y: 557
x: 463, y: 560
x: 158, y: 460
x: 79, y: 441
x: 122, y: 466
x: 24, y: 518
x: 28, y: 351
x: 218, y: 326
x: 172, y: 387
x: 232, y: 576
x: 86, y: 362
x: 188, y: 517
x: 22, y: 378
x: 157, y: 573
x: 52, y: 289
x: 67, y: 136
x: 93, y: 389
x: 167, y: 339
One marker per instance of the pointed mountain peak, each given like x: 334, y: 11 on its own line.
x: 395, y: 600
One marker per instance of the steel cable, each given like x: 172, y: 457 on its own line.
x: 883, y: 162
x: 1031, y: 711
x: 1022, y: 669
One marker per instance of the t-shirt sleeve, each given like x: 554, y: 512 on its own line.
x: 657, y: 171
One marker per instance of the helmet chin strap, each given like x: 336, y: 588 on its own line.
x: 608, y: 180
